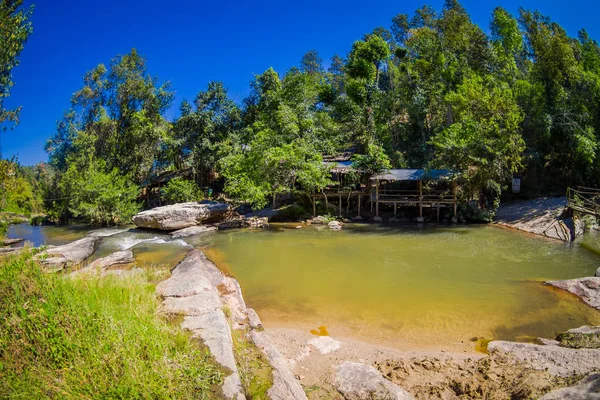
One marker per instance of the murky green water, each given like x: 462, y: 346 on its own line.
x: 409, y: 286
x: 403, y: 287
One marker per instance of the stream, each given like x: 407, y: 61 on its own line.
x: 400, y: 286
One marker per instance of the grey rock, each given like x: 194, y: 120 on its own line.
x: 586, y: 389
x: 120, y: 257
x: 559, y: 361
x: 253, y: 319
x: 117, y: 258
x: 319, y: 220
x: 10, y: 242
x: 123, y: 272
x: 256, y: 222
x: 549, y: 342
x: 181, y: 215
x: 325, y: 344
x: 232, y: 223
x: 10, y: 250
x: 231, y: 296
x: 212, y: 328
x: 285, y: 385
x: 197, y: 304
x: 107, y: 232
x: 187, y: 279
x: 585, y: 330
x: 597, y: 272
x: 335, y: 225
x: 192, y: 231
x: 358, y: 381
x: 588, y: 289
x: 358, y: 218
x: 58, y: 257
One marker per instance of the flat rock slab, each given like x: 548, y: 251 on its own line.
x: 73, y: 253
x: 254, y: 320
x: 10, y: 242
x: 588, y: 289
x: 181, y: 215
x: 586, y: 389
x: 325, y: 344
x: 285, y: 385
x: 187, y: 279
x: 192, y: 231
x: 356, y: 381
x: 559, y: 361
x: 117, y: 258
x: 539, y: 216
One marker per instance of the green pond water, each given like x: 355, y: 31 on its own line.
x: 409, y: 286
x: 402, y: 286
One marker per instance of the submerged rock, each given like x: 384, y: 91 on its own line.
x: 588, y: 388
x: 192, y: 231
x: 588, y: 289
x: 557, y: 360
x: 181, y: 215
x: 58, y: 257
x: 362, y: 382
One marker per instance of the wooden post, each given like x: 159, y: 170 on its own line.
x: 340, y: 206
x: 454, y: 187
x: 359, y: 204
x: 438, y: 213
x: 377, y: 199
x: 420, y: 198
x: 394, y: 209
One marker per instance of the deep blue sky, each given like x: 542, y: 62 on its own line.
x: 190, y: 42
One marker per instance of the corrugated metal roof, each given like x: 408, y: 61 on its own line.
x: 413, y: 175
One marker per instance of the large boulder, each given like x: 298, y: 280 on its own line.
x: 181, y: 215
x: 588, y: 289
x: 357, y: 381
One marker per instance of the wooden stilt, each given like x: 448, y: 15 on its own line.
x: 377, y: 199
x: 420, y: 198
x: 455, y: 189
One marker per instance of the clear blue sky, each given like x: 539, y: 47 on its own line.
x: 190, y: 42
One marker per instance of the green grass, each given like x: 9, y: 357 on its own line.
x: 256, y: 373
x: 93, y: 338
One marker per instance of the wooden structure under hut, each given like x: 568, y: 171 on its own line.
x: 151, y: 189
x: 348, y: 183
x: 414, y: 188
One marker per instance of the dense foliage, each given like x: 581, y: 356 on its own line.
x: 432, y: 91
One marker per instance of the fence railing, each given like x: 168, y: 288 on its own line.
x: 584, y: 200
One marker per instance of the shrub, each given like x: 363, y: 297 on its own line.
x: 179, y: 190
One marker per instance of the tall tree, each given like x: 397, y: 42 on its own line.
x: 15, y: 28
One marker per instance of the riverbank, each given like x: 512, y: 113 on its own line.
x: 543, y: 216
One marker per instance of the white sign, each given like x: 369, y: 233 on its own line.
x: 516, y: 185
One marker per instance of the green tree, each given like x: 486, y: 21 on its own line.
x: 15, y: 28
